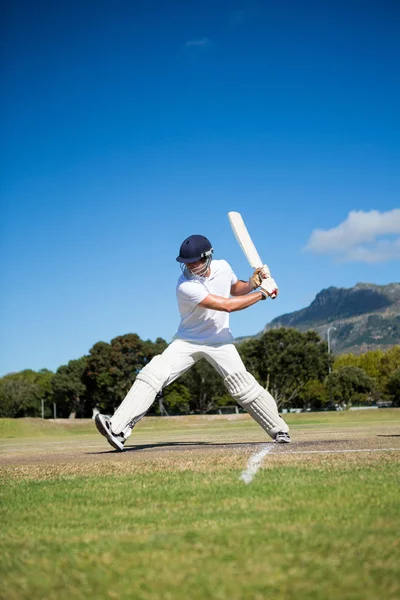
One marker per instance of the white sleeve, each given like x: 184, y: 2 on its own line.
x: 231, y: 273
x: 193, y: 292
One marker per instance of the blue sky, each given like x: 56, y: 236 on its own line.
x: 128, y: 126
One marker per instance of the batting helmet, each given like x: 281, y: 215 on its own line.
x: 194, y: 248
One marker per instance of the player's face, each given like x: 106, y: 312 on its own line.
x: 197, y: 267
x: 195, y: 264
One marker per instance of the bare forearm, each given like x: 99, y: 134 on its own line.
x: 241, y: 302
x: 241, y: 288
x: 231, y: 304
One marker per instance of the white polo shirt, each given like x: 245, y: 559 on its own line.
x: 200, y: 324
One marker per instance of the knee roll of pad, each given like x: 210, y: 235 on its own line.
x: 243, y: 387
x: 155, y: 373
x: 256, y: 401
x: 149, y: 381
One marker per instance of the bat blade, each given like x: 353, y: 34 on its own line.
x: 244, y: 240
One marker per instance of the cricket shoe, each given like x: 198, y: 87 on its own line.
x: 104, y: 426
x: 282, y: 438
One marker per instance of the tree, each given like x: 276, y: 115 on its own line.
x: 393, y: 387
x: 350, y: 384
x: 378, y: 364
x: 21, y: 393
x: 69, y: 388
x: 112, y: 368
x: 19, y: 397
x: 284, y: 360
x: 44, y: 378
x: 390, y: 363
x: 205, y: 386
x: 314, y: 395
x: 176, y: 398
x: 253, y: 355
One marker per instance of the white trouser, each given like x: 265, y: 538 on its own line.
x: 181, y: 355
x: 176, y: 359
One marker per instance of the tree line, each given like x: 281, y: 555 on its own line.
x: 295, y: 367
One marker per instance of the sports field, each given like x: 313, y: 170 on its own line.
x: 171, y: 518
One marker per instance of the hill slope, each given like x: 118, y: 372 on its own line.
x: 366, y: 317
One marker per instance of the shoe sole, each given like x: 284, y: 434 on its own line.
x: 99, y: 425
x: 104, y: 431
x: 114, y: 445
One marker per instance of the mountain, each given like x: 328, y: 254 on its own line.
x: 365, y: 317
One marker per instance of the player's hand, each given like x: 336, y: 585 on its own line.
x: 258, y: 276
x: 256, y: 279
x: 268, y: 286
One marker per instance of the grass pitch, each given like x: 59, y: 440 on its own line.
x: 171, y: 519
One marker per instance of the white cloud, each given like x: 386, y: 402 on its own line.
x: 203, y: 43
x: 360, y: 237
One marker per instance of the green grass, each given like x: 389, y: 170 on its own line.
x: 181, y: 526
x: 32, y: 428
x: 293, y: 533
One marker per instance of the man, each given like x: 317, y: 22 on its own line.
x: 207, y: 291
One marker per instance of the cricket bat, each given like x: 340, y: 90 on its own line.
x: 244, y: 240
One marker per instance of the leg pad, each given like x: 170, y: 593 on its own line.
x: 259, y: 403
x: 149, y: 381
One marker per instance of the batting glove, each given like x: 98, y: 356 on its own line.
x: 259, y: 274
x: 269, y: 288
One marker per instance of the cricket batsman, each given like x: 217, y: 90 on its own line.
x: 207, y: 291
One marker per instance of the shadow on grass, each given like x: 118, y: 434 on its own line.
x: 221, y: 445
x: 185, y: 446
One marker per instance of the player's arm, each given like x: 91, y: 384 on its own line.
x: 241, y: 288
x: 231, y: 304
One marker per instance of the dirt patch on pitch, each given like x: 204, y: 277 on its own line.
x: 210, y: 446
x: 91, y: 456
